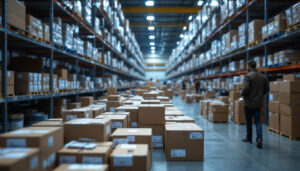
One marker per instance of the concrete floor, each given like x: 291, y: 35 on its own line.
x: 225, y: 151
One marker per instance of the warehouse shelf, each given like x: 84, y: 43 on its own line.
x: 16, y: 40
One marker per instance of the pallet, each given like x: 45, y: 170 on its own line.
x: 46, y: 92
x: 290, y: 136
x: 35, y: 37
x: 10, y: 95
x: 254, y: 43
x: 16, y: 29
x: 273, y: 130
x: 292, y: 28
x: 58, y: 46
x: 273, y: 36
x: 64, y: 91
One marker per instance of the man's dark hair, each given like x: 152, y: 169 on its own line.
x: 252, y: 64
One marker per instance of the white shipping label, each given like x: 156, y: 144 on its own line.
x: 107, y: 130
x: 177, y: 152
x: 13, y: 155
x: 131, y: 138
x: 87, y: 115
x: 70, y: 117
x: 132, y: 130
x: 27, y: 131
x: 120, y: 141
x: 92, y: 160
x: 196, y: 135
x: 271, y: 97
x: 50, y: 141
x: 134, y: 124
x: 16, y: 142
x: 157, y: 139
x: 128, y: 146
x: 51, y: 159
x: 270, y: 114
x: 34, y: 162
x: 117, y: 124
x: 124, y: 160
x: 67, y: 159
x: 158, y: 144
x: 85, y: 167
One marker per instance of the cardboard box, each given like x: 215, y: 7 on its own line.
x: 150, y: 102
x: 274, y: 86
x: 218, y: 117
x: 185, y: 119
x: 46, y: 32
x: 218, y: 107
x: 82, y: 167
x: 184, y: 142
x: 133, y: 110
x: 289, y: 109
x: 113, y: 98
x: 274, y: 121
x: 150, y: 95
x: 289, y: 125
x: 278, y: 24
x: 112, y: 105
x: 274, y: 106
x: 189, y: 98
x: 239, y: 114
x: 97, y: 130
x: 289, y: 98
x: 16, y: 13
x: 255, y: 31
x: 133, y: 136
x: 16, y: 159
x: 274, y: 96
x: 130, y: 157
x: 163, y: 98
x: 97, y: 110
x: 47, y: 139
x: 151, y: 114
x: 86, y: 100
x: 291, y: 77
x: 158, y: 135
x: 139, y: 92
x: 73, y: 105
x: 85, y: 152
x: 111, y: 91
x: 69, y: 115
x: 48, y: 123
x: 61, y: 73
x: 117, y: 121
x: 290, y: 86
x: 224, y: 99
x: 234, y: 95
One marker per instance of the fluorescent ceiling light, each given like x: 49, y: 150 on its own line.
x: 190, y: 18
x: 151, y: 37
x: 152, y: 43
x: 149, y: 3
x: 200, y: 2
x: 152, y: 48
x: 214, y: 3
x: 153, y: 51
x: 181, y: 35
x: 151, y: 28
x: 150, y: 18
x: 184, y: 28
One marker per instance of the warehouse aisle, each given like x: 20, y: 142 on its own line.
x: 225, y: 151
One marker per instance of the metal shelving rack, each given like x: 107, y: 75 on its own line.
x: 50, y: 9
x: 253, y: 9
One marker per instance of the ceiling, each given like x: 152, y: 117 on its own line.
x: 170, y: 18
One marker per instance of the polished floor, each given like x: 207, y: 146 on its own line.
x: 225, y: 151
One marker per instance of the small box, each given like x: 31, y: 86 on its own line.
x: 61, y: 73
x: 97, y: 130
x: 86, y: 100
x: 113, y: 98
x: 151, y: 114
x: 274, y: 106
x: 117, y: 121
x: 130, y: 157
x: 133, y: 110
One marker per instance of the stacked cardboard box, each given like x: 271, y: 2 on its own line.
x: 255, y: 31
x: 233, y: 96
x: 133, y: 110
x: 10, y: 83
x: 69, y: 115
x: 48, y: 139
x: 113, y: 102
x: 239, y: 113
x: 184, y: 119
x: 150, y: 95
x: 34, y: 26
x: 277, y: 25
x: 274, y: 107
x: 86, y: 100
x: 16, y: 13
x: 117, y: 121
x: 218, y: 112
x: 292, y: 15
x: 289, y: 105
x: 184, y: 142
x: 153, y: 116
x: 27, y: 83
x: 189, y: 98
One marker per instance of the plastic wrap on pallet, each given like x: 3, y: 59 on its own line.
x: 77, y: 9
x: 240, y: 3
x: 88, y: 48
x: 79, y: 46
x: 57, y: 31
x: 231, y: 7
x: 87, y: 11
x: 34, y: 26
x: 97, y: 26
x: 68, y: 36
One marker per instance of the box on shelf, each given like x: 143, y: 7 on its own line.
x: 255, y: 31
x: 86, y: 100
x: 16, y: 13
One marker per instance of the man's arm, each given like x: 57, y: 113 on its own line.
x: 246, y: 88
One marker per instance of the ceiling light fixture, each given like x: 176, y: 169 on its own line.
x: 150, y: 18
x: 149, y: 3
x: 151, y: 37
x: 152, y: 48
x: 152, y: 43
x: 151, y: 28
x: 200, y: 2
x: 153, y: 51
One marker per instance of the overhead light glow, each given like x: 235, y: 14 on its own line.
x: 214, y: 3
x: 198, y: 18
x: 153, y: 51
x: 152, y: 43
x: 181, y: 36
x: 200, y: 2
x: 151, y: 37
x: 149, y: 3
x: 184, y: 28
x: 151, y: 28
x: 152, y: 48
x: 177, y: 43
x: 190, y: 18
x: 150, y: 18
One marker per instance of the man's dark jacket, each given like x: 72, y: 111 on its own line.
x: 256, y: 86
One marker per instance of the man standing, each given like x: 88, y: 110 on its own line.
x: 256, y: 86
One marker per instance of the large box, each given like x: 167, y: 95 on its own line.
x: 61, y: 73
x: 239, y: 114
x: 17, y: 159
x: 289, y: 109
x: 274, y: 106
x: 289, y: 86
x: 97, y: 110
x: 289, y: 125
x: 85, y: 152
x: 151, y: 114
x: 218, y: 117
x: 289, y: 98
x: 255, y: 31
x: 97, y: 130
x: 133, y: 110
x: 218, y: 107
x: 86, y: 101
x: 274, y: 121
x: 81, y: 167
x: 150, y: 95
x: 184, y: 142
x: 113, y: 98
x: 129, y: 157
x: 133, y: 136
x: 49, y: 123
x: 117, y: 121
x: 48, y: 139
x: 69, y: 115
x: 112, y: 105
x: 16, y: 13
